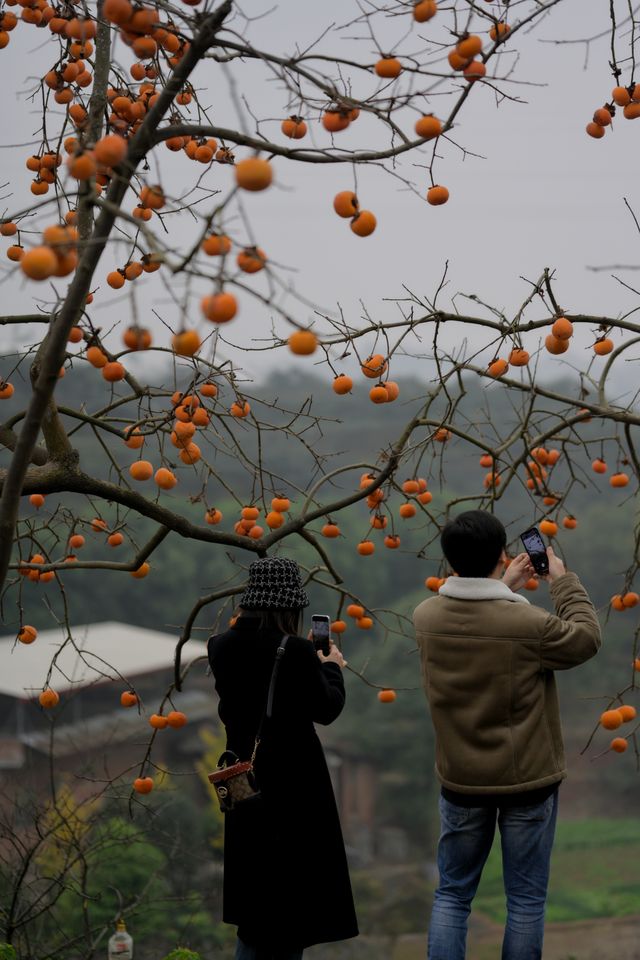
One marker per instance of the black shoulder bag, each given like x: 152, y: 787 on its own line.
x: 233, y: 779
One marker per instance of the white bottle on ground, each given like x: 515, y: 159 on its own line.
x: 121, y: 943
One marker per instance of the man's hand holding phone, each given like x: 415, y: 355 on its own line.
x: 518, y: 572
x: 543, y: 562
x: 556, y: 566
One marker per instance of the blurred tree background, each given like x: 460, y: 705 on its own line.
x: 163, y: 868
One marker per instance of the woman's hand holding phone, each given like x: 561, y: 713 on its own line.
x: 335, y: 656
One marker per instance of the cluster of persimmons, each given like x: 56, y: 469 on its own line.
x: 159, y: 45
x: 83, y: 162
x: 612, y: 719
x: 557, y: 341
x: 628, y: 98
x: 374, y: 367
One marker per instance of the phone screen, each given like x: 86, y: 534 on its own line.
x: 321, y: 632
x: 535, y: 547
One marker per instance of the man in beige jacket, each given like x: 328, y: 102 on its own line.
x: 488, y: 661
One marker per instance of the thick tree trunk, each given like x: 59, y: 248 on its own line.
x: 53, y: 353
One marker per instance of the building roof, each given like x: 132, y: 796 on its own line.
x: 110, y: 729
x: 99, y: 652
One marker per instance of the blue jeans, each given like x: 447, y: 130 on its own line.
x: 245, y: 952
x: 465, y: 841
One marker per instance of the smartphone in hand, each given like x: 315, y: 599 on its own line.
x: 534, y: 545
x: 321, y: 632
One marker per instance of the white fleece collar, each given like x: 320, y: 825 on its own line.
x: 478, y: 588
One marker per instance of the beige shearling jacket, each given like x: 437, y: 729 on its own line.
x: 488, y: 671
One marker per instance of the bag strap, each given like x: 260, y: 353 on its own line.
x: 274, y: 675
x: 272, y: 686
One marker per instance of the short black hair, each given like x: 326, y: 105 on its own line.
x: 472, y: 543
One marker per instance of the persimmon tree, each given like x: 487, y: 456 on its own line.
x: 129, y: 148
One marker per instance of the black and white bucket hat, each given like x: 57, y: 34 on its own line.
x: 274, y: 584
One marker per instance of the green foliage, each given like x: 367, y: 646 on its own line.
x: 597, y: 833
x: 181, y: 953
x: 124, y: 875
x: 174, y: 822
x: 64, y: 827
x: 157, y: 886
x: 595, y: 872
x: 7, y: 952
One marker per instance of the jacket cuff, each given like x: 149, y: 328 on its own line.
x: 331, y: 665
x: 565, y: 579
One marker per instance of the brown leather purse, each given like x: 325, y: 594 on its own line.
x: 233, y: 779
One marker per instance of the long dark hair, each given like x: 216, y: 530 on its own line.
x: 277, y: 621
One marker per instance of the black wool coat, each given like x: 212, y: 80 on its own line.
x: 286, y: 880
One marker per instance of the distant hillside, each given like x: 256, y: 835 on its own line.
x: 391, y: 583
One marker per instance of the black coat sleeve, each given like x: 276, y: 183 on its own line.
x: 320, y: 685
x: 331, y: 705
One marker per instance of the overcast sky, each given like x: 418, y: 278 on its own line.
x: 537, y: 192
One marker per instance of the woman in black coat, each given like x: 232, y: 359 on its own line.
x: 286, y: 880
